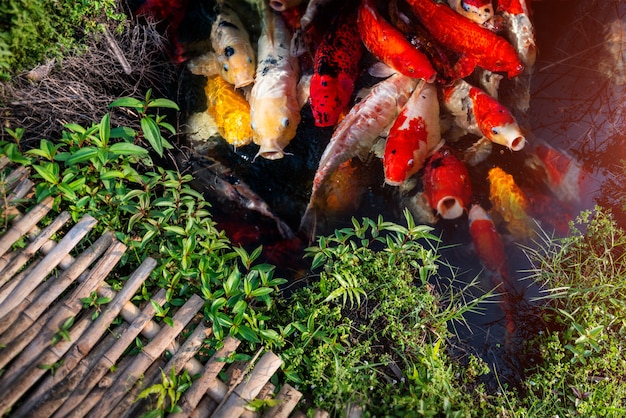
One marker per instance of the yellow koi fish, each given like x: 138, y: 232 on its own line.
x: 274, y: 106
x: 510, y: 202
x: 230, y: 110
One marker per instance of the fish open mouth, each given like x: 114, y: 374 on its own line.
x: 449, y: 207
x: 271, y: 154
x: 244, y: 83
x: 518, y: 143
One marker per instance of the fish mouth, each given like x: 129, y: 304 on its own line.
x: 392, y: 182
x: 271, y: 153
x: 450, y: 207
x: 517, y: 143
x: 244, y: 83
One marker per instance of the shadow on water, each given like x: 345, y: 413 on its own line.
x: 577, y: 108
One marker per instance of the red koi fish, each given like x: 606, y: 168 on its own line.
x: 413, y: 135
x: 447, y: 186
x: 481, y: 114
x: 335, y: 71
x: 390, y: 46
x: 172, y: 12
x: 487, y: 241
x: 476, y: 45
x: 519, y: 29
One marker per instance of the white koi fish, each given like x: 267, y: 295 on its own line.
x: 274, y: 105
x: 357, y: 132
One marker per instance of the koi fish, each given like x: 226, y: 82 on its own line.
x: 390, y: 46
x: 510, y: 202
x: 233, y: 56
x: 487, y: 241
x: 479, y: 11
x: 226, y: 187
x: 335, y: 71
x: 274, y: 107
x: 447, y: 185
x: 283, y: 5
x: 519, y: 29
x: 356, y: 133
x: 476, y: 45
x: 299, y: 42
x: 482, y: 115
x: 230, y: 110
x: 413, y: 135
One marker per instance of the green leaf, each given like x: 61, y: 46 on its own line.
x: 152, y: 133
x: 127, y: 102
x: 49, y: 172
x: 83, y: 155
x: 262, y: 291
x: 124, y: 132
x: 163, y: 103
x: 125, y: 148
x: 105, y: 129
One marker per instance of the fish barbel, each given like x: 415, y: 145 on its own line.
x: 447, y: 185
x: 476, y: 45
x: 357, y: 132
x: 230, y: 110
x: 510, y: 202
x: 414, y: 134
x: 482, y: 115
x: 336, y: 68
x: 274, y: 106
x: 390, y: 46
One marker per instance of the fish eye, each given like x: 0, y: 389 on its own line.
x: 410, y: 163
x: 285, y: 122
x: 465, y: 7
x: 225, y: 67
x: 494, y: 131
x: 249, y: 60
x: 229, y: 51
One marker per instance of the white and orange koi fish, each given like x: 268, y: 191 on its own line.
x: 479, y: 11
x: 357, y: 132
x: 274, y: 105
x: 487, y: 241
x: 414, y: 134
x: 482, y: 115
x: 233, y: 55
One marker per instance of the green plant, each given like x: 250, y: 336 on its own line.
x: 96, y: 302
x: 371, y: 330
x: 167, y: 392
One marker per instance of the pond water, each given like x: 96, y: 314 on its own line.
x: 576, y: 113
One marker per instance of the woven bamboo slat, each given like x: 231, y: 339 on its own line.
x: 21, y: 227
x: 288, y: 397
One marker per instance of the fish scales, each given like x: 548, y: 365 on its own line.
x: 230, y: 110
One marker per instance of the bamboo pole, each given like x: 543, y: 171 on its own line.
x: 68, y: 308
x: 46, y: 265
x: 178, y: 361
x: 246, y: 391
x: 147, y: 356
x: 205, y: 408
x: 87, y: 376
x: 43, y: 297
x: 190, y: 399
x: 267, y: 392
x: 6, y: 290
x: 287, y: 397
x: 21, y: 227
x: 23, y: 256
x: 94, y: 333
x: 49, y: 356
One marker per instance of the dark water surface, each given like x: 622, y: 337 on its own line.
x: 577, y: 107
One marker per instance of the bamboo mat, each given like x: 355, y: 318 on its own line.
x: 59, y: 359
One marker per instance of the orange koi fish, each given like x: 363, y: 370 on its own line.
x: 274, y: 106
x: 335, y: 71
x: 390, y: 46
x: 487, y: 241
x: 447, y: 185
x: 356, y: 133
x: 510, y: 202
x: 232, y: 56
x: 476, y: 45
x: 479, y: 11
x: 481, y: 114
x: 230, y: 110
x: 413, y: 135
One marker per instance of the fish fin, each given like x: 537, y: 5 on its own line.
x: 304, y: 89
x: 308, y: 223
x: 378, y: 149
x: 298, y: 43
x: 381, y: 70
x: 478, y: 152
x: 205, y: 65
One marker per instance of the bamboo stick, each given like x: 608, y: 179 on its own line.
x: 51, y: 355
x: 133, y: 393
x: 234, y: 405
x: 267, y: 392
x: 149, y: 353
x: 4, y: 160
x: 190, y: 399
x: 92, y: 336
x: 43, y: 297
x: 178, y: 361
x: 205, y: 409
x: 68, y: 308
x: 22, y: 226
x: 320, y: 413
x: 287, y: 397
x: 47, y: 264
x: 6, y: 290
x: 23, y: 256
x: 15, y: 176
x: 86, y: 378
